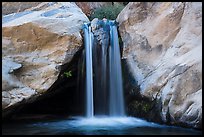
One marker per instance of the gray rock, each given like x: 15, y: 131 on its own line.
x: 163, y: 49
x: 5, y: 99
x: 35, y: 43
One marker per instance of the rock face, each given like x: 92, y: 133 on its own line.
x: 88, y: 7
x: 163, y: 51
x: 14, y: 7
x: 35, y: 43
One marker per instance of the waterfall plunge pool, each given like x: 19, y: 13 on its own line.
x: 93, y: 126
x: 108, y: 77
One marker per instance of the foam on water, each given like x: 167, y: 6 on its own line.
x: 111, y: 122
x: 95, y: 126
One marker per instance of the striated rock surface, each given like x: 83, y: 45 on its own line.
x: 163, y: 51
x: 14, y: 7
x: 35, y: 44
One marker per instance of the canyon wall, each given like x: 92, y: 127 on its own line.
x: 162, y: 46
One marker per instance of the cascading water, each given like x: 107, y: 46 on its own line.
x: 116, y: 87
x: 89, y: 71
x: 104, y: 90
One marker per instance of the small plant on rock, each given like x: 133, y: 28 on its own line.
x: 68, y: 74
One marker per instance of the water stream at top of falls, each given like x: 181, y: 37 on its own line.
x: 104, y: 89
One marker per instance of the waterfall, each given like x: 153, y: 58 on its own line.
x: 104, y: 89
x: 116, y: 87
x: 89, y: 71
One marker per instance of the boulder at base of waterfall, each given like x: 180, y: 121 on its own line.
x: 35, y: 43
x: 163, y: 51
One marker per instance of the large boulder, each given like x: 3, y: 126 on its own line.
x: 163, y: 51
x: 35, y: 44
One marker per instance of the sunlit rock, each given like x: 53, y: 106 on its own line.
x: 35, y: 43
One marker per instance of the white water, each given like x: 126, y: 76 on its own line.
x: 107, y: 95
x: 89, y: 71
x: 93, y: 126
x: 116, y: 84
x: 107, y: 122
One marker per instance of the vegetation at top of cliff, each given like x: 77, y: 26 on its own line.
x: 109, y: 12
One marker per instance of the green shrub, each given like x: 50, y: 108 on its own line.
x: 68, y: 74
x: 109, y: 12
